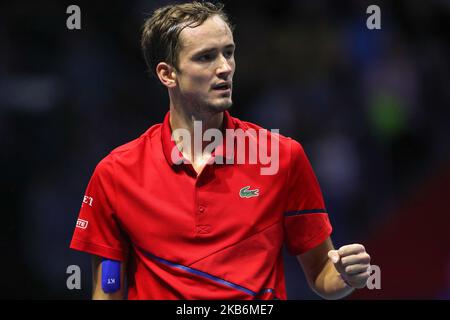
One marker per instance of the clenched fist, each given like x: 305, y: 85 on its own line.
x: 353, y: 264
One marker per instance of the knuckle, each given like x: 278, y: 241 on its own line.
x: 365, y: 258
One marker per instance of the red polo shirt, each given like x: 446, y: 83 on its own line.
x: 189, y: 236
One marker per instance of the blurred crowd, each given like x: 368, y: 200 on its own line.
x: 370, y: 107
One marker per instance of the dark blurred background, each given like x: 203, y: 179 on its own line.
x: 371, y: 108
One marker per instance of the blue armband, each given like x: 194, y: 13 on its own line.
x: 110, y: 275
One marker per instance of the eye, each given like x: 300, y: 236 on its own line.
x: 229, y: 53
x: 206, y: 57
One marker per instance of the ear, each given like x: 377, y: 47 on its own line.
x: 166, y: 74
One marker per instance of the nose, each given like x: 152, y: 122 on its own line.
x: 225, y: 67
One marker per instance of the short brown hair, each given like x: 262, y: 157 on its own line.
x: 160, y: 33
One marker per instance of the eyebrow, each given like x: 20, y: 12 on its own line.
x: 208, y: 50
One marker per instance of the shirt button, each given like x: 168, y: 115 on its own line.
x: 201, y: 209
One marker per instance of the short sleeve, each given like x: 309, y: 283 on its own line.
x: 306, y: 220
x: 97, y: 230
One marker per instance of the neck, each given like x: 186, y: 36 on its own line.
x: 180, y: 118
x: 183, y: 119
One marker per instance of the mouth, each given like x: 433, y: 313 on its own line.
x: 222, y: 87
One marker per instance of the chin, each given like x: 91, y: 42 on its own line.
x: 221, y: 106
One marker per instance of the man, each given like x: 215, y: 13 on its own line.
x: 205, y: 227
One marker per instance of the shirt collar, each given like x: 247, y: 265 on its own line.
x: 168, y: 144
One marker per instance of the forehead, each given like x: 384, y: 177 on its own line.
x: 214, y: 32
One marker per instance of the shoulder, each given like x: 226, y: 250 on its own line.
x: 290, y: 151
x: 287, y: 144
x: 129, y: 150
x: 136, y: 144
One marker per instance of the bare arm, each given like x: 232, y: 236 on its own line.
x: 97, y: 291
x: 325, y: 277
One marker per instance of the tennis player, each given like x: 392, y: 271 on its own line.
x: 165, y: 220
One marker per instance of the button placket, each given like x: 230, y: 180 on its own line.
x: 202, y: 226
x: 202, y: 223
